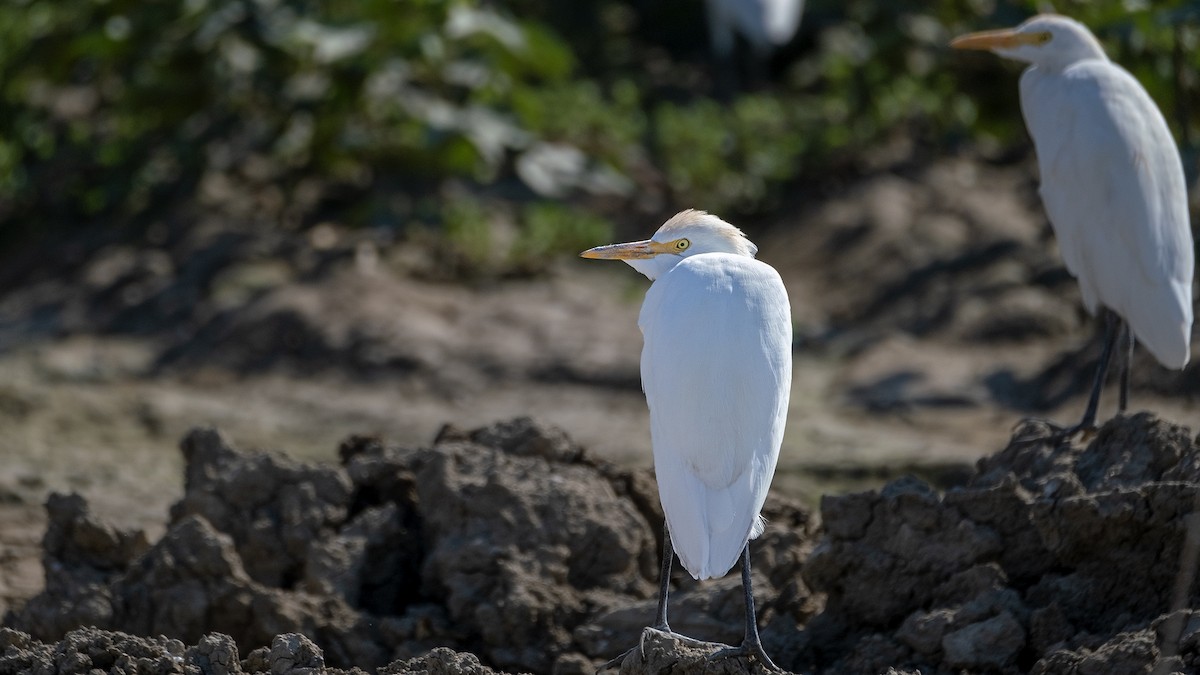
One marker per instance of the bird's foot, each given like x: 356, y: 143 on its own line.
x: 662, y: 630
x: 1033, y: 430
x: 748, y: 648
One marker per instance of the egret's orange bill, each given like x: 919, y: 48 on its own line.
x: 633, y: 250
x: 994, y: 39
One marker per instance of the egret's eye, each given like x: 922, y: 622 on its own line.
x: 1044, y: 37
x: 682, y: 245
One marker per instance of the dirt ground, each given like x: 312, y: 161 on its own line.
x: 931, y: 314
x: 511, y: 547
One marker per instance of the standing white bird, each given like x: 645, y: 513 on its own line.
x: 1113, y: 188
x: 765, y: 25
x: 717, y: 371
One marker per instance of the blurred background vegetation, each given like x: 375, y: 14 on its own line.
x: 522, y: 126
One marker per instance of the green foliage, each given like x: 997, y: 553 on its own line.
x: 881, y: 69
x: 480, y: 241
x: 718, y: 157
x: 608, y: 127
x: 1159, y: 42
x: 117, y: 111
x: 467, y: 227
x: 109, y: 108
x: 548, y: 228
x: 1156, y: 41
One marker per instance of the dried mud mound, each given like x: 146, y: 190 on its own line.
x: 508, y: 542
x: 87, y: 651
x: 1053, y: 559
x: 507, y: 548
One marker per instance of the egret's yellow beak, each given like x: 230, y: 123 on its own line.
x: 996, y: 39
x: 634, y: 250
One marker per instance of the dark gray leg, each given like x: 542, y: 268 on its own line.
x: 660, y: 619
x: 664, y: 580
x: 1125, y: 366
x: 1113, y: 329
x: 1032, y: 430
x: 751, y: 644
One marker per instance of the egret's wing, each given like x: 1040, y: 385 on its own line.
x: 1113, y: 187
x: 716, y: 368
x: 782, y: 19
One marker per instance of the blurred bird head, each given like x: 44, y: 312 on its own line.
x: 1046, y: 40
x: 687, y: 233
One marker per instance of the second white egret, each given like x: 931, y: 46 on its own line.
x: 764, y: 25
x: 1113, y: 187
x: 717, y: 370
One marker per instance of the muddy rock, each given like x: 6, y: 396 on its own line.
x: 658, y: 652
x: 271, y: 506
x: 215, y: 654
x: 193, y: 579
x: 1053, y: 558
x: 916, y: 535
x: 440, y: 661
x: 513, y: 550
x: 509, y: 548
x: 85, y: 544
x: 81, y: 557
x: 714, y: 610
x: 91, y: 650
x: 991, y: 644
x: 293, y: 653
x: 508, y: 542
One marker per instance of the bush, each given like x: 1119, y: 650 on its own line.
x: 108, y: 110
x: 115, y: 112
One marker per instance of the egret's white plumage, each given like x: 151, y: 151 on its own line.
x: 716, y: 369
x: 765, y: 24
x: 1111, y: 179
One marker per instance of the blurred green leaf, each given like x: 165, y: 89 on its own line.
x: 549, y: 229
x: 115, y: 112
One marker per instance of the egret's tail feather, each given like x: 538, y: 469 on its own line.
x: 1163, y: 323
x: 760, y: 524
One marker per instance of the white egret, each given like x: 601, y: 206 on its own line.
x: 765, y: 25
x: 716, y: 370
x: 1113, y: 187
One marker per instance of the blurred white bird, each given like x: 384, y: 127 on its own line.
x: 765, y: 25
x: 717, y: 370
x: 1113, y: 187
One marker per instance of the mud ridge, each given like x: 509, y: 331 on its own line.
x: 509, y: 548
x: 508, y: 541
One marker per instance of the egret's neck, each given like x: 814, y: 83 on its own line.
x: 655, y: 267
x: 1081, y: 47
x: 1057, y: 65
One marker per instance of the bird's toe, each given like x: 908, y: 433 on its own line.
x: 661, y: 631
x: 1036, y: 430
x: 745, y: 650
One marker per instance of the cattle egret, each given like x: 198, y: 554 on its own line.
x: 717, y: 370
x: 765, y: 25
x: 1113, y: 188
